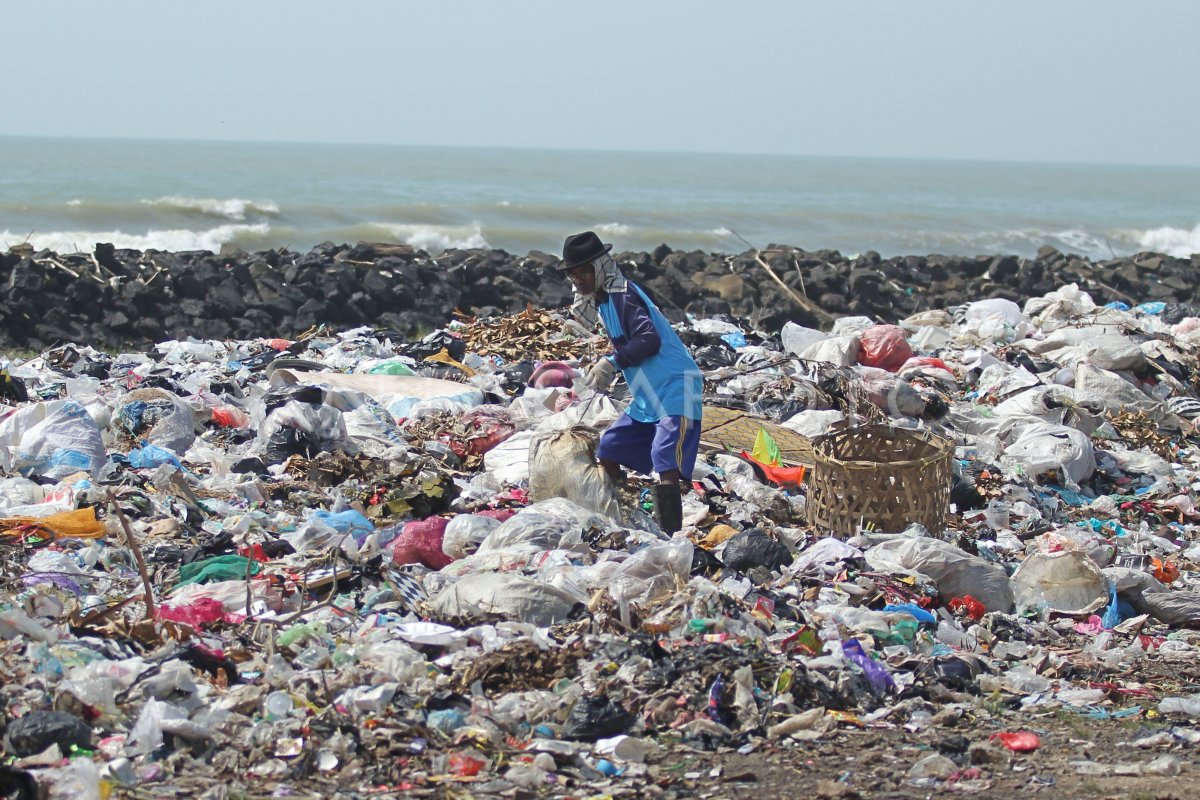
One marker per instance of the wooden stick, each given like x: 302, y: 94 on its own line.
x: 137, y: 555
x: 804, y: 303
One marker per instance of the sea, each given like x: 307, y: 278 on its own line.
x: 67, y: 194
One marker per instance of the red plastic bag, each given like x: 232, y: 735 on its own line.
x: 421, y: 543
x: 885, y: 347
x: 230, y: 418
x: 969, y: 606
x: 1018, y: 741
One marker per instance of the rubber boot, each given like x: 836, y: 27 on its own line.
x: 668, y: 507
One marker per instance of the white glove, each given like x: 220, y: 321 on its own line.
x: 601, y: 375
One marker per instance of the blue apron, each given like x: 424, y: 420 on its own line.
x: 668, y: 383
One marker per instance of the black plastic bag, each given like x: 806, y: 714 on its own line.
x: 286, y: 442
x: 753, y: 548
x: 34, y: 732
x: 595, y: 718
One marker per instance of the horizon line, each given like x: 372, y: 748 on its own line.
x: 613, y: 151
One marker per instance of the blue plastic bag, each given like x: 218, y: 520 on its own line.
x: 348, y: 521
x: 151, y: 456
x: 914, y: 611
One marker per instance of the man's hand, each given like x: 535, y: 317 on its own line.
x: 601, y: 375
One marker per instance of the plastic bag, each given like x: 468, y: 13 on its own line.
x: 492, y: 424
x: 651, y: 572
x: 597, y: 412
x: 421, y: 543
x: 839, y: 350
x: 996, y: 320
x: 532, y: 530
x: 465, y: 532
x: 157, y: 417
x: 593, y: 718
x: 152, y: 456
x: 797, y: 338
x: 1045, y: 447
x: 481, y: 596
x: 954, y: 571
x: 37, y: 730
x: 563, y: 464
x: 753, y: 548
x: 884, y: 347
x: 318, y: 427
x: 53, y: 439
x: 508, y: 462
x: 1067, y: 581
x: 1177, y: 609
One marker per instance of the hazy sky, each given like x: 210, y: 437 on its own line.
x: 1054, y: 80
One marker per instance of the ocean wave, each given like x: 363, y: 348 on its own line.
x: 233, y: 208
x: 434, y: 238
x: 613, y: 229
x: 247, y: 236
x: 1178, y: 242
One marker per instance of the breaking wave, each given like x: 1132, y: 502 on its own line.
x: 613, y: 229
x: 1177, y: 242
x: 233, y: 208
x: 245, y: 236
x: 434, y: 239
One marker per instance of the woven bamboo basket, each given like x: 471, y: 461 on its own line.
x: 879, y: 477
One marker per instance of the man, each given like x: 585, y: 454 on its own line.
x: 660, y: 430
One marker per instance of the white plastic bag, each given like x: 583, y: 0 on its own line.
x: 1046, y: 447
x: 478, y: 597
x: 1067, y: 581
x: 53, y: 439
x: 465, y: 533
x: 651, y: 572
x: 508, y: 462
x: 954, y: 571
x: 531, y: 530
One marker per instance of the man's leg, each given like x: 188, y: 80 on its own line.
x: 626, y: 443
x: 676, y: 441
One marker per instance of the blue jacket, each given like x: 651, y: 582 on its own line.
x: 661, y: 374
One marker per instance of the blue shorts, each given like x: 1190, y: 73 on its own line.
x: 646, y: 447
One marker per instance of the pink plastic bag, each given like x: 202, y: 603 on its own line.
x: 885, y: 347
x: 926, y: 362
x: 421, y: 543
x: 201, y: 611
x: 499, y: 514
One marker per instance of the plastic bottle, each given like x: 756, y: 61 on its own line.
x: 1189, y: 706
x: 314, y: 657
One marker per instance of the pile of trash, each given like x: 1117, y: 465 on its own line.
x: 351, y: 564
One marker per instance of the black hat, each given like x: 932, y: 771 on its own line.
x: 581, y: 249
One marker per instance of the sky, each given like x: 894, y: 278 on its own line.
x: 1063, y: 81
